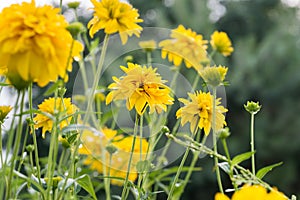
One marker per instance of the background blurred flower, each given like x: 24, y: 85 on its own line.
x: 221, y: 43
x: 93, y: 146
x: 114, y: 16
x: 148, y: 45
x: 65, y: 109
x: 141, y: 87
x: 35, y: 45
x: 198, y: 111
x: 185, y: 45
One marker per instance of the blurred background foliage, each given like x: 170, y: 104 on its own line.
x: 264, y: 68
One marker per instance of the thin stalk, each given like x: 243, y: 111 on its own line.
x: 36, y: 153
x: 107, y: 185
x: 123, y: 196
x: 140, y: 176
x: 149, y: 58
x: 16, y: 147
x: 252, y: 143
x: 96, y: 80
x: 215, y: 141
x: 180, y: 168
x: 1, y: 156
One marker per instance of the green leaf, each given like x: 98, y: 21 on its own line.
x: 4, y: 84
x: 85, y: 182
x: 53, y: 88
x: 263, y: 171
x: 241, y: 157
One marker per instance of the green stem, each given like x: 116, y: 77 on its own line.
x: 16, y: 147
x: 107, y: 185
x: 96, y: 80
x: 130, y: 158
x: 229, y: 162
x: 215, y: 140
x: 178, y: 173
x: 252, y: 143
x: 36, y: 152
x: 1, y: 156
x: 149, y: 58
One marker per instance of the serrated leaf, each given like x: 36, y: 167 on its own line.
x: 263, y: 171
x: 241, y: 157
x: 86, y: 183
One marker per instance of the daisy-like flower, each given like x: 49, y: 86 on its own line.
x: 142, y: 87
x: 35, y: 45
x: 115, y: 17
x: 65, y: 108
x: 185, y: 45
x: 4, y: 110
x: 93, y: 145
x: 253, y: 192
x: 198, y: 111
x: 221, y: 43
x: 214, y: 75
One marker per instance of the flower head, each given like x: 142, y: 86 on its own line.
x: 185, y: 45
x: 141, y: 87
x: 35, y: 45
x: 253, y: 192
x: 93, y: 146
x: 198, y: 111
x: 51, y: 107
x: 4, y: 110
x: 214, y: 75
x: 114, y: 16
x: 221, y: 43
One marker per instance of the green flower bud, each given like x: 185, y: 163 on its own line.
x: 76, y: 28
x: 30, y: 148
x: 74, y: 4
x: 111, y: 149
x: 165, y: 130
x: 252, y: 107
x: 128, y: 59
x: 224, y: 133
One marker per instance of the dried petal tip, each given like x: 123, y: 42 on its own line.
x: 252, y: 107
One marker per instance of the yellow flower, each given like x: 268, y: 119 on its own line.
x: 141, y: 87
x: 35, y: 45
x: 148, y: 45
x: 214, y: 75
x: 221, y: 43
x: 220, y: 196
x: 253, y: 192
x: 114, y: 16
x: 65, y: 108
x: 185, y: 45
x: 4, y: 110
x: 198, y: 111
x: 93, y: 146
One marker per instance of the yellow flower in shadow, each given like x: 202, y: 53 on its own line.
x: 253, y: 192
x: 185, y: 45
x: 51, y: 107
x: 116, y: 163
x: 142, y: 87
x: 4, y: 110
x: 198, y: 111
x: 115, y: 17
x: 35, y: 45
x: 221, y: 43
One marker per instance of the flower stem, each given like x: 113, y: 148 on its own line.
x: 215, y: 140
x: 96, y: 80
x: 16, y: 146
x: 130, y: 158
x: 252, y: 143
x: 36, y: 153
